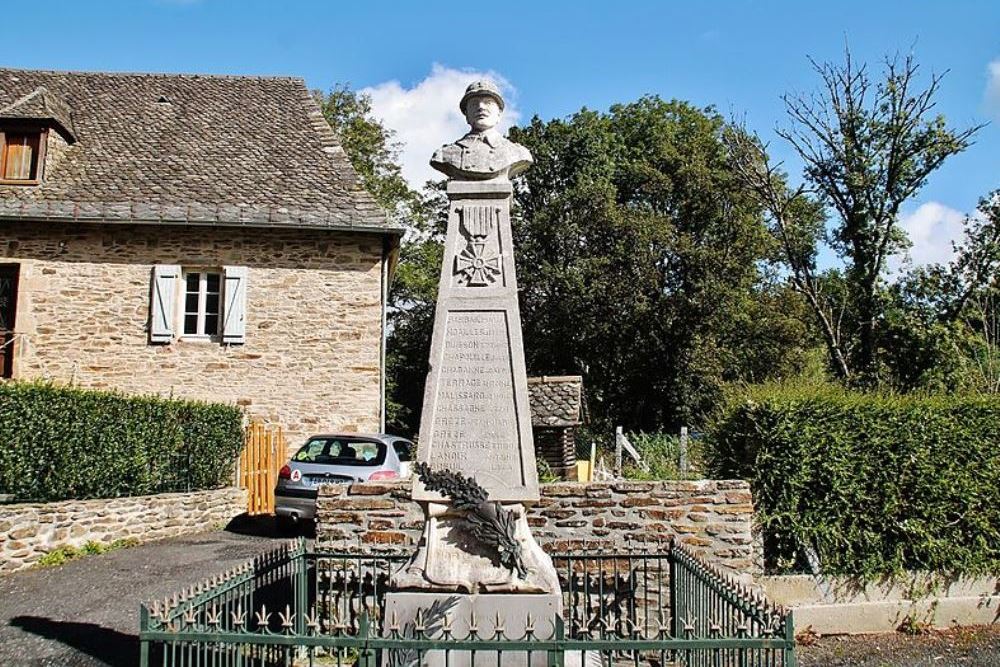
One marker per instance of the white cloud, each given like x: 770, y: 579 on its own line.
x: 993, y: 89
x: 426, y: 116
x: 932, y: 229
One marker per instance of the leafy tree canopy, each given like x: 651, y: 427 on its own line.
x: 638, y: 256
x: 374, y: 152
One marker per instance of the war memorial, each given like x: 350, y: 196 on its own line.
x: 444, y: 570
x: 476, y: 422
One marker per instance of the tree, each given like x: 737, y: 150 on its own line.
x: 977, y: 263
x: 796, y: 221
x: 942, y: 323
x: 374, y: 153
x: 412, y: 299
x: 638, y: 254
x: 372, y: 149
x: 976, y: 272
x: 868, y: 146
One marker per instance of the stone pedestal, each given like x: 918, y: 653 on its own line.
x: 514, y: 611
x: 450, y: 559
x: 476, y: 420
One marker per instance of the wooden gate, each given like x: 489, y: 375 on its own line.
x: 264, y: 452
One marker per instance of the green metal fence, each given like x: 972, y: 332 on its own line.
x: 654, y: 604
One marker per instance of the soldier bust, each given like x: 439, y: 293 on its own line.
x: 483, y: 153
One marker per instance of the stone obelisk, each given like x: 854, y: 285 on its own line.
x: 476, y: 419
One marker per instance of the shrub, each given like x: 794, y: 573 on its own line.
x: 874, y: 484
x: 545, y: 473
x: 59, y: 443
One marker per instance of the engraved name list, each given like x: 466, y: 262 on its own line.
x: 475, y: 427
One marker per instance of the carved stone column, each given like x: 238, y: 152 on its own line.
x: 476, y: 420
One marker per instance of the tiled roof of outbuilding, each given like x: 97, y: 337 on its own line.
x: 197, y: 149
x: 555, y: 401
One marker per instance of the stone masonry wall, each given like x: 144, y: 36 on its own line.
x: 28, y: 531
x: 712, y: 517
x: 311, y: 361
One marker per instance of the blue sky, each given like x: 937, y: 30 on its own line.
x: 555, y: 57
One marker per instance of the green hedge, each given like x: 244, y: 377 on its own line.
x: 60, y: 443
x: 874, y: 484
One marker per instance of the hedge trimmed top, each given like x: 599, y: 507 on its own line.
x: 61, y: 443
x: 873, y: 483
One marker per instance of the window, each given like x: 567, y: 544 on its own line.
x: 202, y: 292
x: 342, y: 451
x: 403, y: 450
x: 19, y: 158
x: 198, y: 303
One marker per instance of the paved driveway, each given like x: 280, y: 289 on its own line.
x: 86, y: 613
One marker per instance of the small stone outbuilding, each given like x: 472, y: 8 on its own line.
x: 556, y: 410
x: 203, y: 237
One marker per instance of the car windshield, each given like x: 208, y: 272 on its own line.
x: 342, y: 451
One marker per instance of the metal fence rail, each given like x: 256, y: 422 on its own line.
x: 658, y: 606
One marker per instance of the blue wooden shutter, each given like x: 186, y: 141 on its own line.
x: 234, y: 309
x: 161, y: 306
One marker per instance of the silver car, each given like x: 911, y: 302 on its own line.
x: 336, y: 459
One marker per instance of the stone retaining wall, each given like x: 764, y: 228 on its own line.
x: 850, y: 605
x: 712, y: 517
x: 28, y: 531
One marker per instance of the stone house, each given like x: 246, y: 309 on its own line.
x: 556, y: 410
x: 197, y: 236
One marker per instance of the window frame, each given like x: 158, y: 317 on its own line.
x: 202, y: 312
x: 43, y: 135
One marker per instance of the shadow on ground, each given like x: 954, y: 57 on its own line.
x: 113, y: 648
x: 266, y: 526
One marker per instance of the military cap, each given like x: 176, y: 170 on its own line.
x: 487, y: 88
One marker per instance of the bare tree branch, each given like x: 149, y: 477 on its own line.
x: 751, y: 164
x: 868, y: 146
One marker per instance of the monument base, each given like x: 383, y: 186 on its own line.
x: 450, y: 558
x: 514, y: 611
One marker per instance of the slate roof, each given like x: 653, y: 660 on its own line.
x: 555, y: 401
x: 42, y: 105
x: 187, y: 149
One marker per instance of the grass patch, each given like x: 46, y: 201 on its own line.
x: 62, y: 555
x: 661, y: 453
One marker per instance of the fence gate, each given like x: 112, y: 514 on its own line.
x: 264, y: 452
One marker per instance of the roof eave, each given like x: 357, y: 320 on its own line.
x: 367, y: 229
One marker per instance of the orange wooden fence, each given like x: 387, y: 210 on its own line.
x: 264, y: 452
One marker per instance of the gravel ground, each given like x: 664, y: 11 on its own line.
x: 86, y: 613
x: 977, y: 646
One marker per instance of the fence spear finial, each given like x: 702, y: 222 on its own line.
x: 499, y: 630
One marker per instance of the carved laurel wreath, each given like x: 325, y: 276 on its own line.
x: 492, y: 524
